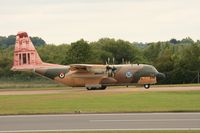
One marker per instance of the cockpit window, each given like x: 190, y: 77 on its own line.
x: 154, y: 69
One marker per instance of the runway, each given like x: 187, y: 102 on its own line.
x: 120, y: 89
x: 99, y: 122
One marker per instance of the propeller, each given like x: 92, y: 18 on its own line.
x: 110, y: 69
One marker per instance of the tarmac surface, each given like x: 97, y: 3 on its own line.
x: 99, y: 122
x: 117, y: 89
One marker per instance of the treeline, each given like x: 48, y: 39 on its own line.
x: 178, y: 59
x: 5, y: 42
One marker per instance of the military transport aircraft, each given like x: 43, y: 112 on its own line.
x: 90, y: 76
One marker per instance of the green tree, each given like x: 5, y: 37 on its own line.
x: 118, y: 50
x: 52, y: 53
x: 37, y: 41
x: 152, y: 51
x: 79, y: 52
x: 6, y: 42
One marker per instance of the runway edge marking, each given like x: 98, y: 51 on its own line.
x: 60, y: 130
x: 107, y: 114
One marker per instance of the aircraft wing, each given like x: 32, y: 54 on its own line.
x: 89, y: 68
x: 79, y: 66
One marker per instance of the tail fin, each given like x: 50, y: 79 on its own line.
x: 25, y: 54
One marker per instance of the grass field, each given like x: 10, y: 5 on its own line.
x: 28, y: 85
x: 100, y: 102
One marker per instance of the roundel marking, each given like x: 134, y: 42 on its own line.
x: 61, y: 75
x: 129, y: 74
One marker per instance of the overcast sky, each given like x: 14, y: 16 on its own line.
x: 65, y: 21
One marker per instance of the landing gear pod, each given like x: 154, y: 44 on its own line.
x: 103, y: 87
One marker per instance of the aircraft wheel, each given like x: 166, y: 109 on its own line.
x: 103, y: 87
x: 146, y: 86
x: 94, y: 88
x: 89, y: 88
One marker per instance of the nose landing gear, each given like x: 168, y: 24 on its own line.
x: 146, y: 86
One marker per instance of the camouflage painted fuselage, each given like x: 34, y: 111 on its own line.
x: 26, y: 58
x: 94, y: 75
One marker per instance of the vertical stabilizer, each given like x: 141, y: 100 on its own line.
x: 25, y: 54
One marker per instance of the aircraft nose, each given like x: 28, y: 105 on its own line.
x: 160, y: 75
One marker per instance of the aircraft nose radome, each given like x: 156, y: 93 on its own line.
x: 160, y: 75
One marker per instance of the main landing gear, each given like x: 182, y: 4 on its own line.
x: 96, y: 88
x: 146, y: 86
